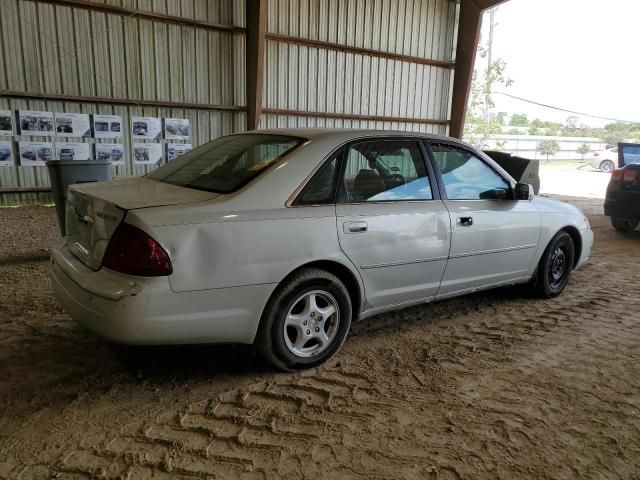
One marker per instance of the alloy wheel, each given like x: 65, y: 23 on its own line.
x: 311, y: 323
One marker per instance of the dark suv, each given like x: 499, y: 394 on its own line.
x: 622, y: 202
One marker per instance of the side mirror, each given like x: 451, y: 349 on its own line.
x: 523, y: 191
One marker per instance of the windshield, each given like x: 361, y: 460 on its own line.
x: 226, y: 164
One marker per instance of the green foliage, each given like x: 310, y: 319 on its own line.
x: 583, y: 150
x: 479, y: 125
x: 548, y: 148
x: 545, y: 124
x: 478, y: 133
x: 519, y: 120
x: 613, y: 137
x: 572, y: 122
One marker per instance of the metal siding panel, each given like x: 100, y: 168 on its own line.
x: 217, y: 11
x: 189, y: 64
x: 201, y: 77
x: 84, y: 53
x: 161, y: 61
x: 28, y: 20
x: 99, y: 45
x: 68, y: 61
x: 147, y: 59
x: 13, y: 75
x: 49, y: 53
x: 132, y: 58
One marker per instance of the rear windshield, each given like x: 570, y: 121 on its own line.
x: 226, y: 164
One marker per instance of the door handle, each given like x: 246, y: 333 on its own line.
x: 465, y: 221
x: 355, y: 227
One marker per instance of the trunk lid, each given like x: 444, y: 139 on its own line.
x: 94, y: 210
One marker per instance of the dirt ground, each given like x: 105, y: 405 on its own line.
x: 494, y: 385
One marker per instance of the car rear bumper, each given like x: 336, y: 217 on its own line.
x: 624, y: 204
x: 145, y: 311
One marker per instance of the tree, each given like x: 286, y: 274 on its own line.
x: 548, y: 148
x: 613, y: 137
x: 519, y: 120
x: 572, y: 122
x: 583, y: 150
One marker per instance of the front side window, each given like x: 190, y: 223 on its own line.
x: 466, y: 177
x: 386, y: 170
x: 227, y: 163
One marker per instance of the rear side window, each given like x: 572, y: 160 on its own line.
x: 386, y: 170
x: 467, y: 177
x: 227, y: 163
x: 322, y: 188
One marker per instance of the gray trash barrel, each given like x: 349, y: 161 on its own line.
x: 63, y: 173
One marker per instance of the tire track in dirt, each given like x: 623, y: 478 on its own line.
x: 495, y: 385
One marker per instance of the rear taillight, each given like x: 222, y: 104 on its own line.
x: 616, y: 175
x: 596, y: 154
x: 629, y: 175
x: 133, y: 252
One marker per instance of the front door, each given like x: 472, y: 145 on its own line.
x: 494, y: 237
x: 391, y: 223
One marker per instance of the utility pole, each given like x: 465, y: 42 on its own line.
x: 487, y: 94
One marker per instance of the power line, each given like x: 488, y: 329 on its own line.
x: 563, y: 109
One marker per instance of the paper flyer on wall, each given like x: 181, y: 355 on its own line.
x: 73, y: 151
x: 110, y: 151
x: 175, y: 150
x: 176, y: 129
x: 6, y: 122
x: 72, y: 125
x: 6, y: 154
x: 107, y: 126
x: 147, y: 153
x: 33, y: 122
x: 146, y: 128
x: 35, y: 153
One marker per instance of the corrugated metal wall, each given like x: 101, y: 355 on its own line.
x: 53, y: 49
x: 62, y: 50
x: 315, y: 79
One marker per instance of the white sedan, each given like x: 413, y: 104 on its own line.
x: 282, y: 238
x: 605, y: 160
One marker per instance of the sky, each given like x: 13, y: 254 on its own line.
x: 570, y: 54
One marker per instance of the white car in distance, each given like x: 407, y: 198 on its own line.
x: 282, y: 238
x: 605, y: 160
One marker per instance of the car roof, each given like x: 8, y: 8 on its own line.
x: 346, y: 134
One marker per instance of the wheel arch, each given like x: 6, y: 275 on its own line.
x: 344, y: 273
x: 577, y: 242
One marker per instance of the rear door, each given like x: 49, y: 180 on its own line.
x: 494, y: 237
x: 391, y: 222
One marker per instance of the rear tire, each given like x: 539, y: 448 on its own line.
x: 306, y: 321
x: 622, y: 225
x: 607, y: 166
x: 555, y: 266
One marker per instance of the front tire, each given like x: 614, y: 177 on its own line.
x: 306, y: 321
x: 622, y: 225
x: 555, y: 266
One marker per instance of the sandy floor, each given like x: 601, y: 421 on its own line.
x: 495, y: 385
